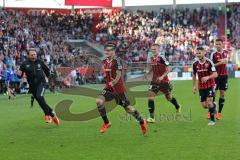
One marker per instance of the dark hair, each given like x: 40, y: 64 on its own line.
x: 200, y: 48
x: 113, y: 46
x: 218, y: 40
x: 31, y: 49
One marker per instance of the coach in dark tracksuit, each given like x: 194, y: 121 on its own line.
x: 36, y: 71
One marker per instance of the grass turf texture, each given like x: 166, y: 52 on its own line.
x: 24, y: 135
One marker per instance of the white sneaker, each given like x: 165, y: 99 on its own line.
x: 150, y: 120
x: 211, y: 123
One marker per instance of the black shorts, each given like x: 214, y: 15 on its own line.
x: 120, y: 98
x: 222, y: 83
x: 9, y: 84
x: 165, y: 88
x: 38, y: 90
x: 204, y: 93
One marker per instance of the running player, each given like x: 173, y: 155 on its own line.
x: 219, y: 59
x: 160, y: 82
x: 36, y: 70
x: 115, y: 89
x: 206, y: 72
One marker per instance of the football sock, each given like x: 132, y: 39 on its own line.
x: 220, y: 104
x: 32, y: 100
x: 151, y: 107
x: 175, y: 103
x: 212, y: 111
x: 103, y: 114
x: 137, y: 116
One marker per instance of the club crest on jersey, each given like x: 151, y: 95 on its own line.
x: 39, y: 65
x: 206, y: 65
x: 28, y: 66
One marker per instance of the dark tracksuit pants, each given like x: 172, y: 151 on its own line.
x: 37, y: 92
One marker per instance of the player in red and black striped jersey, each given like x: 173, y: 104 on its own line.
x: 206, y: 72
x: 160, y: 82
x: 115, y: 89
x: 219, y: 59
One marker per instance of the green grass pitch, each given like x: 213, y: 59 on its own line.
x: 24, y: 135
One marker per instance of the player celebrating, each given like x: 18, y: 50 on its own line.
x: 205, y: 69
x: 115, y: 89
x: 36, y: 71
x: 219, y: 59
x: 160, y: 82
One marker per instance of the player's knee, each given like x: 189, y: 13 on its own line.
x: 209, y: 104
x: 151, y: 95
x: 168, y: 97
x: 99, y: 102
x: 204, y: 105
x: 129, y: 109
x: 222, y: 94
x: 151, y: 98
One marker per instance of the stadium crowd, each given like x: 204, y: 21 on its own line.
x: 177, y: 31
x: 46, y: 32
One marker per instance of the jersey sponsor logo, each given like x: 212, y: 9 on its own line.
x: 206, y: 65
x: 107, y: 70
x: 202, y: 70
x: 27, y: 65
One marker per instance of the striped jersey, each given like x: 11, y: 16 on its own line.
x: 159, y: 66
x: 215, y: 57
x: 202, y: 70
x: 110, y: 68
